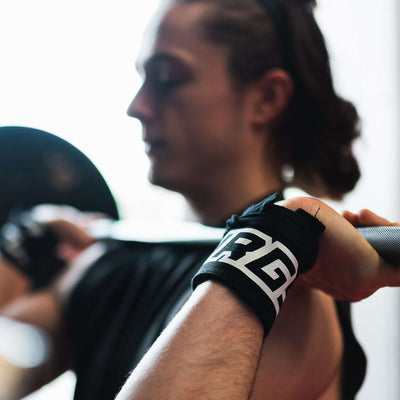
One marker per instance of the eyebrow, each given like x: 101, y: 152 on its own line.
x: 156, y: 58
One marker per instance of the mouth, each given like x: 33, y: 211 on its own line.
x: 154, y: 148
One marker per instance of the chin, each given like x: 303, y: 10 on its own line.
x: 161, y: 180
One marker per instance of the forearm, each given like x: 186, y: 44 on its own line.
x: 49, y: 346
x: 211, y: 347
x: 13, y: 284
x: 27, y: 370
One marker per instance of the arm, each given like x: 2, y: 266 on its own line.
x: 13, y: 284
x: 347, y: 268
x: 211, y: 346
x: 43, y: 306
x: 45, y: 309
x: 42, y: 310
x: 208, y: 350
x: 215, y: 349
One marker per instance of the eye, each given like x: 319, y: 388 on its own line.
x: 163, y: 77
x: 163, y: 80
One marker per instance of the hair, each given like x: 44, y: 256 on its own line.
x: 314, y: 135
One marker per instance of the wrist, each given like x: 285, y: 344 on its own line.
x: 224, y: 301
x: 261, y: 254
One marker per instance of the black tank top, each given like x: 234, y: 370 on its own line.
x: 127, y: 297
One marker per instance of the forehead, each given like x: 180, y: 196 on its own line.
x: 177, y: 29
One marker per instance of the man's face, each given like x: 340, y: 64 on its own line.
x: 193, y: 121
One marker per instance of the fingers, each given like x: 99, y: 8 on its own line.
x: 389, y: 275
x: 73, y: 234
x: 366, y: 217
x: 347, y: 266
x: 369, y: 218
x: 351, y: 217
x: 70, y: 224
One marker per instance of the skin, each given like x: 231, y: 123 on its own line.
x: 303, y: 348
x: 210, y: 142
x: 44, y: 308
x: 13, y: 284
x: 204, y: 139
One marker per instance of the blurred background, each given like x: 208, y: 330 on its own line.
x: 67, y: 67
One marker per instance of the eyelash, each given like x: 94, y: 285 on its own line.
x: 162, y: 85
x: 162, y: 80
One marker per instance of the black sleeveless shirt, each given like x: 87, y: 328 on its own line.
x: 128, y: 296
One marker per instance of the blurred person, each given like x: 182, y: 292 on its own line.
x: 234, y: 95
x: 38, y: 167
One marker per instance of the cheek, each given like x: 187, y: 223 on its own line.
x: 210, y: 146
x: 204, y: 125
x: 211, y: 118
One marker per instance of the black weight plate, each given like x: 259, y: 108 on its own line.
x: 38, y: 167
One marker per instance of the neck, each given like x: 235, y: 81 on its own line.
x: 232, y: 187
x: 213, y: 206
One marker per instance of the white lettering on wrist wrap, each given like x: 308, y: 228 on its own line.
x: 261, y: 254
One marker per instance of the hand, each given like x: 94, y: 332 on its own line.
x: 347, y: 267
x: 41, y: 242
x: 70, y: 225
x: 367, y: 217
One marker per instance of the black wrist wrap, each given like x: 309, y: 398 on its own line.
x: 262, y: 252
x: 31, y: 247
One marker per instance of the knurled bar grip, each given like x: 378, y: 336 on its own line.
x: 385, y: 240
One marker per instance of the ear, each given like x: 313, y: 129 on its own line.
x: 272, y: 95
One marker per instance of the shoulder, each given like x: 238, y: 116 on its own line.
x: 302, y: 355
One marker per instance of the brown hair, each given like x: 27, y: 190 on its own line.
x: 316, y: 131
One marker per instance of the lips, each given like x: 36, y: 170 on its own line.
x: 155, y: 148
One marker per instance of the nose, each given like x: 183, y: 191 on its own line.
x: 140, y: 107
